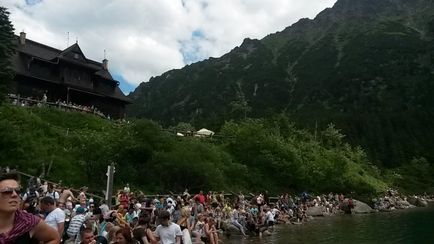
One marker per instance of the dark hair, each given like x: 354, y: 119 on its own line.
x: 144, y: 220
x: 96, y: 210
x: 86, y: 230
x: 101, y: 240
x: 9, y: 176
x: 164, y: 215
x: 47, y: 200
x: 126, y: 233
x: 138, y: 234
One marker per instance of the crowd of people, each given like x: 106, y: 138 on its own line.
x: 17, y: 100
x: 81, y: 108
x: 186, y: 218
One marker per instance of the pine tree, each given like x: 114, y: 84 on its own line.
x: 6, y: 51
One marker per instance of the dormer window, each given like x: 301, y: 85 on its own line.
x: 76, y: 56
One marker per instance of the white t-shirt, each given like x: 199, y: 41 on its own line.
x: 168, y: 234
x: 54, y: 195
x: 269, y: 216
x: 55, y: 217
x: 274, y: 211
x: 27, y: 194
x: 136, y: 213
x: 44, y: 188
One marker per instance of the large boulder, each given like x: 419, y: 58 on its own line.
x: 316, y: 211
x: 421, y: 202
x: 361, y: 208
x: 230, y: 229
x: 412, y: 200
x: 418, y: 202
x: 403, y: 204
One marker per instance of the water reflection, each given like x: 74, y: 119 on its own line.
x: 409, y: 226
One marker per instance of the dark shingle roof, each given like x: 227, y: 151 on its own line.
x: 104, y: 74
x: 53, y: 55
x: 38, y: 50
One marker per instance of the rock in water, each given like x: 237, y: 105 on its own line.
x: 233, y: 230
x: 361, y: 208
x: 316, y: 211
x: 403, y: 204
x: 421, y: 203
x: 418, y: 202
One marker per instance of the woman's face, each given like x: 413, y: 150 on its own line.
x: 120, y: 239
x: 9, y: 196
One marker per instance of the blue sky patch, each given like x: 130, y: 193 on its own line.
x: 198, y: 34
x: 124, y: 85
x: 33, y: 2
x: 191, y: 49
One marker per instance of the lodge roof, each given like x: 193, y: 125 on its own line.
x: 52, y: 55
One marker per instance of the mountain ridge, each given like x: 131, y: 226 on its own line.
x: 364, y: 59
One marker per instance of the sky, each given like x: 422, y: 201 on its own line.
x: 145, y: 38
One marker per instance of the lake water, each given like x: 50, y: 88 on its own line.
x: 406, y: 226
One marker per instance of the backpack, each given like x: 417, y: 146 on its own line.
x: 32, y: 198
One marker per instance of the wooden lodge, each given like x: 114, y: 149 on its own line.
x: 66, y: 76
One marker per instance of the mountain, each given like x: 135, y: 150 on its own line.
x: 365, y: 65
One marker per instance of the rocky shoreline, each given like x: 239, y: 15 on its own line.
x: 387, y: 203
x: 390, y: 202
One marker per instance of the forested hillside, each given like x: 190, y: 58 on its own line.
x: 364, y: 65
x: 254, y: 155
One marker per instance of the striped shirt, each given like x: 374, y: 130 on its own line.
x: 75, y: 225
x: 23, y: 223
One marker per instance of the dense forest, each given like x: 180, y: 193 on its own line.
x: 256, y: 154
x: 252, y: 155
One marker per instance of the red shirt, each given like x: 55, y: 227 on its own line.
x: 201, y: 198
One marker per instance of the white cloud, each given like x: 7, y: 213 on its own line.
x: 145, y: 38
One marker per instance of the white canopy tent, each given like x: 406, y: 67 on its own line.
x: 204, y: 132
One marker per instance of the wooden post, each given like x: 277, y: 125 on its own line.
x: 109, y: 191
x: 67, y: 96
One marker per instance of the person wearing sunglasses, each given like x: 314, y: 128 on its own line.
x: 17, y: 226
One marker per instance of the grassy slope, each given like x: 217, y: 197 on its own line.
x: 81, y: 146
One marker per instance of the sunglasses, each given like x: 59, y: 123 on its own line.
x: 10, y: 191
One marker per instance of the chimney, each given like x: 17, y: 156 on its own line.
x: 22, y: 38
x: 105, y: 64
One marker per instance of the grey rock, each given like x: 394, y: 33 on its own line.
x: 361, y: 208
x: 418, y: 202
x: 421, y: 203
x: 316, y: 211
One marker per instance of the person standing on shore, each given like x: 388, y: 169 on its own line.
x: 52, y: 193
x: 200, y: 197
x: 17, y: 226
x: 65, y: 196
x: 167, y: 232
x: 269, y: 218
x: 235, y: 216
x: 55, y: 216
x: 82, y: 196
